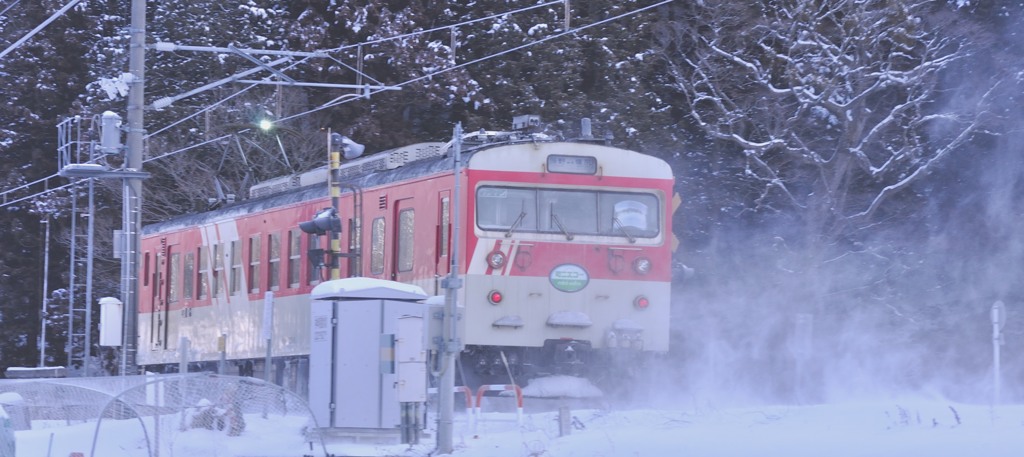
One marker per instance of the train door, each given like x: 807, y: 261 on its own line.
x: 149, y: 262
x: 156, y: 338
x: 403, y: 240
x: 166, y: 271
x: 172, y: 291
x: 444, y: 236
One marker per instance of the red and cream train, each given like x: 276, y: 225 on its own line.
x: 565, y: 255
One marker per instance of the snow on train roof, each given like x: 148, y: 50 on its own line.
x: 525, y: 158
x: 423, y: 159
x: 313, y: 191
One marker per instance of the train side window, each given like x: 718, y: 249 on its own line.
x: 218, y: 270
x: 273, y: 261
x: 442, y: 249
x: 203, y: 275
x: 294, y: 257
x: 235, y: 285
x: 406, y: 236
x: 377, y: 246
x: 254, y: 264
x: 188, y: 276
x: 173, y: 277
x: 145, y: 269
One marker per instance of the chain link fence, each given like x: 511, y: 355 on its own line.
x: 159, y: 415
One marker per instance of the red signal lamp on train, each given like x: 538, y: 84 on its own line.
x: 641, y: 302
x: 325, y: 220
x: 495, y: 297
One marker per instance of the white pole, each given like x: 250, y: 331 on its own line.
x: 184, y: 345
x: 89, y: 256
x: 997, y: 323
x: 268, y: 330
x: 222, y: 347
x: 46, y: 293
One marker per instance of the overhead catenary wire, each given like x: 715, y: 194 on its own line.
x: 38, y: 28
x: 15, y: 2
x: 488, y: 57
x: 445, y: 27
x: 7, y: 192
x: 346, y: 99
x: 367, y: 43
x: 334, y: 102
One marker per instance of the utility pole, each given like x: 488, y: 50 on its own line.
x: 132, y: 217
x: 450, y: 344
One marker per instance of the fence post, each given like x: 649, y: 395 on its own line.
x: 502, y: 388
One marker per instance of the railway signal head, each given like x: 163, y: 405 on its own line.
x: 325, y: 220
x: 349, y: 149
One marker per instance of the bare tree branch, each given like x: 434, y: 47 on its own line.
x: 840, y: 99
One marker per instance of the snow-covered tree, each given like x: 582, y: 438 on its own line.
x: 824, y: 120
x: 836, y: 107
x: 41, y: 82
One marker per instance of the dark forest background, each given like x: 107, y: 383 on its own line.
x: 848, y: 170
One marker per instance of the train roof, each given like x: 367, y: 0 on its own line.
x: 312, y: 191
x: 394, y: 165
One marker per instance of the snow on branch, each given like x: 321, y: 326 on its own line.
x: 839, y: 97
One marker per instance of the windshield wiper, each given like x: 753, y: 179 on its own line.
x: 515, y: 224
x: 622, y: 228
x: 558, y: 222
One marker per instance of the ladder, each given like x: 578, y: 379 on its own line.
x: 74, y: 147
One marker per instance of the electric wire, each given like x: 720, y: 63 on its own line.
x: 368, y: 43
x: 217, y: 103
x: 350, y: 97
x: 15, y: 2
x: 38, y: 28
x: 445, y: 27
x: 488, y: 57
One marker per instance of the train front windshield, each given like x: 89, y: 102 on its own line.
x: 570, y: 212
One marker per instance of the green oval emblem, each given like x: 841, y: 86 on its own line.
x: 569, y: 277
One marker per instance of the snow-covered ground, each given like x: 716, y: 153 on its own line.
x: 884, y: 428
x: 905, y: 426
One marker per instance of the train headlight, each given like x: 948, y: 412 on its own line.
x: 642, y: 265
x: 641, y: 302
x: 495, y: 297
x: 496, y: 259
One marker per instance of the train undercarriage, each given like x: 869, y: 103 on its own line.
x: 609, y: 369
